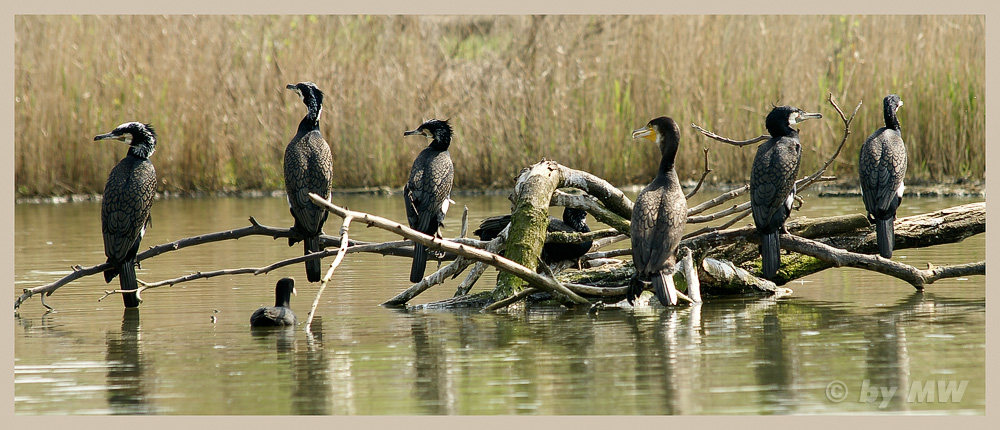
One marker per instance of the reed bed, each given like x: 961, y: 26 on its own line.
x: 516, y: 88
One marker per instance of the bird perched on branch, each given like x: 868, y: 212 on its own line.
x: 279, y: 314
x: 881, y: 166
x: 308, y: 168
x: 658, y: 217
x: 573, y: 221
x: 128, y: 197
x: 427, y: 194
x: 772, y: 181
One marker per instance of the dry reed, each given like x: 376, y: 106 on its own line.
x: 517, y: 89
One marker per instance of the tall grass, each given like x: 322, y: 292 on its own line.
x: 517, y: 89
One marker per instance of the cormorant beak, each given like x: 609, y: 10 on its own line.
x: 112, y: 135
x: 295, y: 88
x: 899, y: 105
x: 412, y: 132
x: 646, y: 132
x: 806, y: 115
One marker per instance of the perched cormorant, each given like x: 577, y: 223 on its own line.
x: 279, y: 314
x: 308, y: 169
x: 658, y: 217
x: 573, y: 221
x: 427, y: 192
x: 772, y: 181
x: 128, y: 196
x: 881, y: 166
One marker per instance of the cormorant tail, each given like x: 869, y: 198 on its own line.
x: 127, y: 281
x: 419, y: 263
x: 770, y: 254
x: 885, y: 236
x: 314, y: 268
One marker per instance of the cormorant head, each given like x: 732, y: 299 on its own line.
x: 665, y: 132
x: 437, y: 130
x: 140, y: 137
x: 575, y: 217
x: 890, y: 104
x: 311, y: 96
x: 781, y: 119
x: 283, y: 291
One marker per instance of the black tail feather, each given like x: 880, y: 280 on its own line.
x: 770, y: 254
x: 126, y: 279
x: 314, y: 268
x: 419, y: 263
x: 885, y: 236
x: 635, y: 288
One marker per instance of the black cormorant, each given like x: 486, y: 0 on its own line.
x: 128, y: 196
x: 308, y: 169
x: 427, y: 193
x: 881, y: 166
x: 658, y: 217
x: 279, y: 314
x: 772, y: 181
x: 574, y: 221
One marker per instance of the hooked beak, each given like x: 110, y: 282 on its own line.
x: 806, y: 115
x: 644, y: 132
x: 412, y: 132
x: 112, y: 135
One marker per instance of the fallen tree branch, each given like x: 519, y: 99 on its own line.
x: 916, y: 277
x: 436, y: 243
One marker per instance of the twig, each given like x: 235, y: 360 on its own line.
x: 847, y: 132
x: 702, y: 180
x: 724, y: 197
x: 722, y: 226
x: 435, y: 243
x: 728, y: 140
x: 720, y: 214
x: 329, y: 273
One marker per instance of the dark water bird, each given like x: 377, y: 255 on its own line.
x: 427, y: 194
x: 128, y: 197
x: 772, y: 181
x: 308, y: 169
x: 658, y: 217
x: 573, y: 221
x: 881, y: 166
x: 279, y: 314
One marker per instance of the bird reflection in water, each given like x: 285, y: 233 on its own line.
x: 128, y: 385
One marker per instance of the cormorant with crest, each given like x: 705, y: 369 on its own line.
x: 308, y: 169
x: 128, y: 197
x: 427, y: 193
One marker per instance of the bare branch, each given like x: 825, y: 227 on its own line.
x: 702, y: 180
x: 719, y: 200
x: 728, y: 140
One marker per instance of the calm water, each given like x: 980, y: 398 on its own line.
x: 732, y: 356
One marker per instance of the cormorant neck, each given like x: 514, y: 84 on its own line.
x: 441, y: 143
x: 141, y: 149
x: 668, y: 150
x: 311, y: 121
x: 890, y: 119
